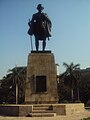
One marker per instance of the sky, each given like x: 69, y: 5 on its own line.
x: 70, y: 41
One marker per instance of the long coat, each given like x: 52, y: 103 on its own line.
x: 40, y: 26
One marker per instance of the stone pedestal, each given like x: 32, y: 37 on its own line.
x: 41, y: 84
x: 42, y: 110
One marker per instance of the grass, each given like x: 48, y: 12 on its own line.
x: 86, y: 118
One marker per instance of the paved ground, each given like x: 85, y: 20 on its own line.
x: 72, y: 117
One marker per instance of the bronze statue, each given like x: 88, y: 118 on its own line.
x: 40, y: 27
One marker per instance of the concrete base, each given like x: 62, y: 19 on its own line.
x: 44, y: 110
x: 41, y: 80
x: 68, y: 109
x: 15, y: 110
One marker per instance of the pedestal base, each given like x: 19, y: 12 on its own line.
x: 41, y: 82
x: 41, y: 110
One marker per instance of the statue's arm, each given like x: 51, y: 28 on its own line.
x: 32, y: 20
x: 47, y: 19
x: 31, y: 28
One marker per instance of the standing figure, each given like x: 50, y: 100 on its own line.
x: 40, y: 27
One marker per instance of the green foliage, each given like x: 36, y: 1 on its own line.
x: 63, y: 92
x: 8, y: 86
x: 88, y: 103
x: 77, y: 101
x: 85, y: 87
x: 71, y: 77
x: 86, y: 118
x: 81, y: 85
x: 65, y: 101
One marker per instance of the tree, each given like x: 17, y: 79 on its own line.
x: 7, y: 94
x: 19, y: 77
x: 70, y: 76
x: 85, y: 85
x: 14, y: 80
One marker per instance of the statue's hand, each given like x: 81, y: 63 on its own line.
x: 48, y: 39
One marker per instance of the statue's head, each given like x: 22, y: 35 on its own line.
x: 40, y: 7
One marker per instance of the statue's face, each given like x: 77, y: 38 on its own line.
x: 40, y: 9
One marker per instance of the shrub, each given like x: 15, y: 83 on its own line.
x: 78, y: 101
x: 86, y: 118
x: 88, y: 102
x: 65, y: 101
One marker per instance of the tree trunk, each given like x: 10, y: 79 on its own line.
x: 16, y: 93
x: 78, y: 94
x: 72, y: 95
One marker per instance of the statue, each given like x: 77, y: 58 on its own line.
x: 40, y: 26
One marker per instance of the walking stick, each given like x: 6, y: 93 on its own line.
x: 31, y: 43
x: 30, y: 35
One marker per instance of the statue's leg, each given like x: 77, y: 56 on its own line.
x: 36, y: 44
x: 44, y: 44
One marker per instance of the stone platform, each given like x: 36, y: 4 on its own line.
x: 41, y: 110
x: 41, y: 81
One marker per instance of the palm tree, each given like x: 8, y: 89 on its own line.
x: 77, y: 74
x: 70, y: 76
x: 19, y: 76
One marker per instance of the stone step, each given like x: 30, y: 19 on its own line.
x: 42, y: 111
x: 42, y: 107
x: 43, y: 114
